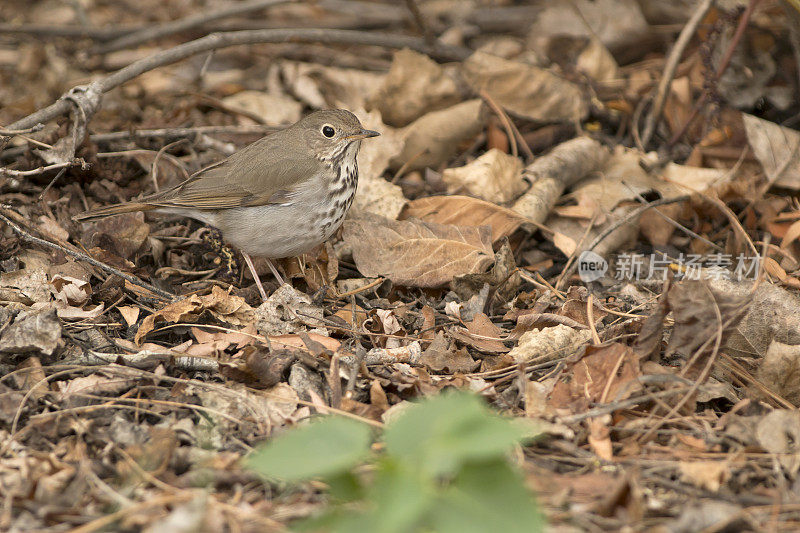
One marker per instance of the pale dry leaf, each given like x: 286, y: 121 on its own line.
x: 278, y: 342
x: 597, y: 62
x: 777, y: 148
x: 288, y: 310
x: 375, y: 194
x: 50, y: 227
x: 566, y: 244
x: 416, y: 253
x: 780, y: 371
x: 69, y: 312
x: 129, y: 313
x: 321, y: 86
x: 70, y: 291
x: 414, y: 86
x: 779, y: 432
x: 375, y: 154
x: 26, y: 286
x: 657, y: 229
x: 547, y: 344
x: 616, y: 23
x: 93, y: 384
x: 599, y: 438
x: 621, y: 179
x: 695, y: 179
x: 32, y: 333
x: 709, y: 475
x: 525, y: 90
x: 495, y: 177
x: 269, y: 108
x: 464, y: 211
x: 379, y: 197
x: 433, y: 139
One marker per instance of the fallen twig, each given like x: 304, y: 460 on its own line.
x: 223, y: 40
x: 151, y: 33
x: 41, y: 170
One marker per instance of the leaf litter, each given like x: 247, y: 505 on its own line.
x: 665, y: 388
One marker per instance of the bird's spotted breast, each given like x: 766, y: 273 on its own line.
x: 342, y: 191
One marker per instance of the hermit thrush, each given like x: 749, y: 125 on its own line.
x: 278, y: 197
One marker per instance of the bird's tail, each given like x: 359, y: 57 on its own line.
x: 109, y: 210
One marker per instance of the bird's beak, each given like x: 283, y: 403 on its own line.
x: 363, y: 134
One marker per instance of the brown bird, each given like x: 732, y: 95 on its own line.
x: 278, y: 197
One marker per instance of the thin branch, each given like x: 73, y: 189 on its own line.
x: 151, y: 33
x: 41, y: 30
x: 174, y: 133
x: 41, y: 170
x: 420, y: 22
x: 216, y: 41
x: 670, y: 68
x: 11, y: 133
x: 723, y: 66
x: 91, y: 260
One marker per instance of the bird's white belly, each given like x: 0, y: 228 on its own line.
x: 274, y: 230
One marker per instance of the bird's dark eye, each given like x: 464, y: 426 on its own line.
x: 328, y: 131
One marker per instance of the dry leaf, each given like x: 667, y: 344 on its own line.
x: 695, y: 306
x: 322, y: 87
x: 779, y: 433
x: 375, y: 194
x: 269, y: 108
x: 780, y: 371
x: 494, y: 176
x: 600, y: 438
x: 414, y: 86
x: 709, y: 475
x: 129, y: 313
x: 777, y: 149
x: 608, y: 373
x: 525, y: 90
x: 121, y: 235
x: 597, y: 62
x: 442, y: 356
x: 615, y: 22
x: 547, y: 344
x: 220, y: 303
x: 416, y: 253
x: 464, y: 211
x: 31, y: 333
x: 287, y: 310
x: 433, y: 139
x: 482, y: 334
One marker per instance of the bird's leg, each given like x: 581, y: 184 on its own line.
x: 255, y: 275
x: 275, y: 272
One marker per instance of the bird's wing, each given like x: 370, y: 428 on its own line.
x: 262, y: 173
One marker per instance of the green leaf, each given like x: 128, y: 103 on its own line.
x: 401, y: 498
x: 487, y: 496
x: 439, y: 434
x: 325, y: 447
x: 345, y: 487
